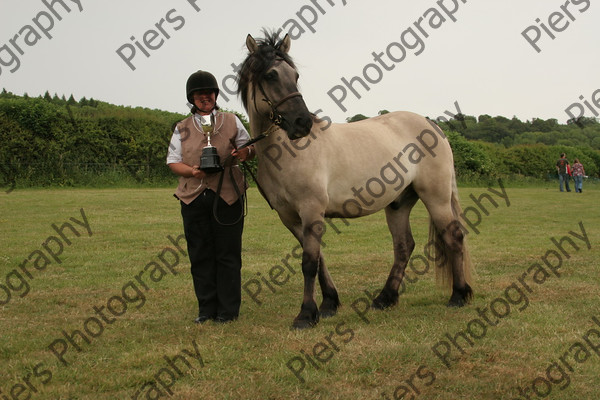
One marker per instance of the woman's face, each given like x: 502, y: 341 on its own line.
x: 205, y: 101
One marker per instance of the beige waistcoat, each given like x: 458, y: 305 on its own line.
x: 192, y: 143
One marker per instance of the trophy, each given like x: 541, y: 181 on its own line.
x: 209, y: 161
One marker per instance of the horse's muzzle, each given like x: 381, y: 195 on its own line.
x: 300, y: 128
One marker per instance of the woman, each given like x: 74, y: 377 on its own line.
x: 213, y: 232
x: 578, y: 172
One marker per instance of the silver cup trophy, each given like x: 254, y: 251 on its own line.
x: 209, y: 161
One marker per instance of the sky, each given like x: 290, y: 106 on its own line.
x: 529, y: 59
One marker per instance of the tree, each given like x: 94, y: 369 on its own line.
x: 357, y: 117
x: 540, y: 125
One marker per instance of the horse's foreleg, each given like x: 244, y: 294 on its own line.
x: 454, y: 261
x: 331, y: 300
x: 453, y: 237
x: 311, y: 256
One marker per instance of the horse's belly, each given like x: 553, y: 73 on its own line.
x: 366, y: 197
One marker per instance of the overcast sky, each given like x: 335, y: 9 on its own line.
x: 481, y: 61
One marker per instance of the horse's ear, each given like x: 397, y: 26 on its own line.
x: 251, y: 44
x: 285, y: 44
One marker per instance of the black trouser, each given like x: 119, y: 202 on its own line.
x: 215, y: 252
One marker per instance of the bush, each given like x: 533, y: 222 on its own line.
x: 470, y: 158
x: 51, y: 141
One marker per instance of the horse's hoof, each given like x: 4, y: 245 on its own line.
x: 460, y: 297
x: 301, y: 324
x: 378, y: 306
x: 327, y: 313
x: 456, y: 304
x: 329, y: 307
x: 384, y: 300
x: 306, y: 319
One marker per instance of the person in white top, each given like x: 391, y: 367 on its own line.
x: 213, y: 222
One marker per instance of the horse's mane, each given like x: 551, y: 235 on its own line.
x: 257, y: 63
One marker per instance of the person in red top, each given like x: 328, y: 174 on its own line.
x: 578, y: 173
x: 562, y: 167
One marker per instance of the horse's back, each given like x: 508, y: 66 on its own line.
x: 387, y: 137
x: 398, y: 123
x: 369, y: 163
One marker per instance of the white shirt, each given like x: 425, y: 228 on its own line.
x: 174, y: 155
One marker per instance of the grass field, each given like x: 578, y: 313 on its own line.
x: 104, y: 310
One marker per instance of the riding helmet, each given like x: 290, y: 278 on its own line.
x: 200, y: 80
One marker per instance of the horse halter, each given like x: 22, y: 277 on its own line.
x: 275, y: 116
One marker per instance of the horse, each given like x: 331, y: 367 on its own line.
x: 310, y: 169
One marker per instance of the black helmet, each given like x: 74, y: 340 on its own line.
x: 200, y: 80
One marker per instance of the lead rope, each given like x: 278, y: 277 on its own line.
x: 245, y: 167
x: 237, y: 191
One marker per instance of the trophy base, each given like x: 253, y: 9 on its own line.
x: 210, y: 162
x: 212, y: 170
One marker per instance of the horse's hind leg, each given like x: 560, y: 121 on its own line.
x: 397, y: 216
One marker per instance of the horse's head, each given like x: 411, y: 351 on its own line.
x: 268, y: 86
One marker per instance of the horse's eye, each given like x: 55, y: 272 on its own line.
x: 271, y: 76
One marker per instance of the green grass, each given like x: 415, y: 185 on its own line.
x: 247, y: 359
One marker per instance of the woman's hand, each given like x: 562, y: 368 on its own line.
x: 187, y: 171
x: 197, y: 172
x: 243, y: 154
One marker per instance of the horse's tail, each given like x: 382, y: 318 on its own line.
x: 443, y: 262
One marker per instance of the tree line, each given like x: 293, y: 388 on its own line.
x: 51, y: 140
x: 57, y: 141
x: 498, y: 147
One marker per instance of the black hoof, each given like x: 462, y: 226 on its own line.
x: 327, y: 313
x: 308, y: 317
x: 304, y: 324
x: 329, y: 307
x: 456, y: 303
x: 385, y: 299
x: 460, y: 297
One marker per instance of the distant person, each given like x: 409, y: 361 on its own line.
x: 578, y: 174
x: 562, y: 167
